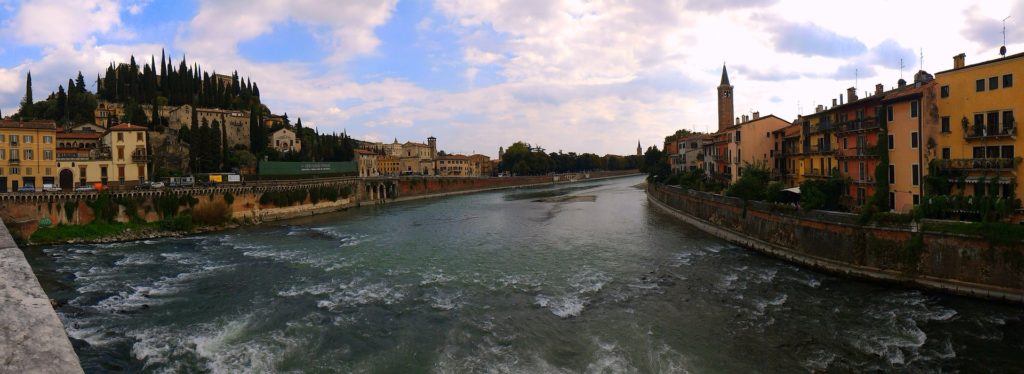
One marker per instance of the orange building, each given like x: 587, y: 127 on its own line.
x: 911, y: 120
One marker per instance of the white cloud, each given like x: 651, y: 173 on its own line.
x: 55, y: 22
x: 475, y: 56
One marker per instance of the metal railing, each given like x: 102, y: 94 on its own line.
x: 979, y: 163
x: 977, y: 132
x: 863, y: 124
x: 861, y: 151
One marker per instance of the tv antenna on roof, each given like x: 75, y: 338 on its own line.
x: 1002, y: 50
x: 920, y: 65
x: 901, y: 68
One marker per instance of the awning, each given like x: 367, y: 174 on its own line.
x: 795, y: 190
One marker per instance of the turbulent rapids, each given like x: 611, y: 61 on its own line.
x: 583, y: 278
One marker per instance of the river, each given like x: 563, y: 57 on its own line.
x: 569, y: 278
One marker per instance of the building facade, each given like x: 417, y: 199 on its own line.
x: 27, y: 154
x: 284, y: 140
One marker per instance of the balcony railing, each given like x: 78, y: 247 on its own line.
x: 979, y: 163
x: 864, y: 151
x: 15, y: 161
x: 815, y: 149
x: 864, y: 124
x: 822, y: 127
x: 815, y: 173
x: 140, y: 157
x: 865, y: 180
x: 977, y: 132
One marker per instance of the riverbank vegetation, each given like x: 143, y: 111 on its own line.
x: 523, y: 159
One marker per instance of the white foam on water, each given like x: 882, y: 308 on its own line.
x: 446, y: 300
x: 435, y: 276
x: 727, y: 281
x: 317, y: 289
x: 563, y: 306
x: 609, y: 359
x: 136, y: 259
x: 357, y: 293
x: 91, y: 330
x: 140, y: 296
x: 589, y: 281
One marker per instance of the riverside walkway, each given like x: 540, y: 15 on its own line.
x: 32, y: 338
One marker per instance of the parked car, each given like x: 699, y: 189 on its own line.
x: 156, y: 185
x: 85, y: 188
x: 27, y: 188
x: 143, y: 186
x: 49, y: 187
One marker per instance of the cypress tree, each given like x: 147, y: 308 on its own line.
x: 62, y: 105
x: 79, y: 83
x: 26, y: 102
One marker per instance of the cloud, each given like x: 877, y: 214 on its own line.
x: 344, y: 28
x: 987, y: 31
x: 889, y: 54
x: 54, y: 22
x: 808, y: 39
x: 720, y: 5
x: 474, y: 56
x: 769, y: 74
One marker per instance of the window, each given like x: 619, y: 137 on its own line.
x: 892, y: 174
x: 846, y: 167
x: 917, y: 199
x: 3, y: 154
x: 945, y: 153
x: 120, y: 136
x: 28, y: 171
x: 993, y: 122
x: 862, y: 170
x: 944, y: 91
x: 979, y: 152
x: 945, y: 124
x: 1008, y: 119
x: 845, y: 145
x: 27, y: 139
x: 913, y: 140
x: 47, y: 139
x: 28, y: 154
x: 892, y: 142
x: 15, y: 171
x: 737, y: 136
x: 1, y: 138
x: 979, y: 119
x: 120, y: 153
x: 993, y: 83
x: 915, y: 174
x: 1008, y: 81
x: 892, y: 200
x: 979, y: 85
x: 47, y: 155
x: 138, y: 136
x: 1007, y: 151
x: 914, y: 108
x: 888, y: 113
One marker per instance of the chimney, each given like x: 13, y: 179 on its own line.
x: 757, y: 115
x: 879, y: 88
x: 819, y: 109
x: 958, y: 60
x: 833, y: 103
x: 852, y: 93
x: 840, y: 99
x: 738, y: 120
x: 901, y: 83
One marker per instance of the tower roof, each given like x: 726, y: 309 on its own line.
x: 725, y: 76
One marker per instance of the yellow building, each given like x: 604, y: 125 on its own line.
x: 119, y: 162
x: 911, y: 124
x: 27, y: 154
x: 481, y: 166
x: 284, y: 140
x: 753, y: 142
x: 978, y: 136
x: 453, y: 165
x: 388, y: 165
x: 817, y: 159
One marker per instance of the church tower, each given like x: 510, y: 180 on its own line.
x: 639, y: 151
x: 725, y: 111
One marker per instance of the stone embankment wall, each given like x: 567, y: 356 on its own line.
x: 24, y: 212
x: 32, y: 338
x: 835, y: 242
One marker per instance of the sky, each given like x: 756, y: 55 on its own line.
x: 572, y: 76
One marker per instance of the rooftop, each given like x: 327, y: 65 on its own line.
x: 34, y: 125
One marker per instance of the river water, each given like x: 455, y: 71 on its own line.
x: 508, y: 281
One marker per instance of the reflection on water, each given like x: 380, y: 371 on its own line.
x: 497, y: 282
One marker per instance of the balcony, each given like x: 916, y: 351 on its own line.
x: 140, y: 157
x: 822, y: 127
x: 14, y: 161
x: 815, y: 173
x: 980, y: 164
x: 866, y: 151
x: 865, y: 180
x: 860, y: 125
x: 817, y: 149
x: 982, y: 132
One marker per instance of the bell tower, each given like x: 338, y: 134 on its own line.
x: 725, y: 112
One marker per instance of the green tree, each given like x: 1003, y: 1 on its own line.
x: 26, y: 103
x: 752, y: 184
